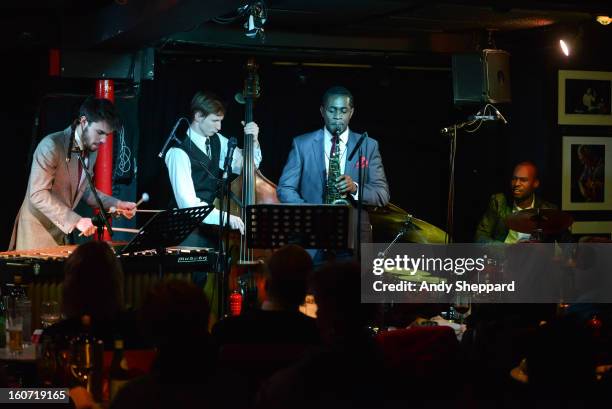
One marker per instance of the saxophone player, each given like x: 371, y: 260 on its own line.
x: 307, y: 178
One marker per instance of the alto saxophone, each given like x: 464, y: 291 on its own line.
x: 332, y: 194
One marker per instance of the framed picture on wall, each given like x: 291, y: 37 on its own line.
x: 587, y: 230
x: 585, y: 97
x: 587, y: 173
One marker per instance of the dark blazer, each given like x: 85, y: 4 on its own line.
x: 304, y: 177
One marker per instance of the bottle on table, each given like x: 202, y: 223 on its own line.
x: 47, y: 364
x: 119, y: 373
x: 86, y: 359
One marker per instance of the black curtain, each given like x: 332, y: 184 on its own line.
x: 402, y: 109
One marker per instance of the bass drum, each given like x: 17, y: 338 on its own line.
x: 387, y: 222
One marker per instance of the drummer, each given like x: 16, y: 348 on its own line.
x: 492, y: 226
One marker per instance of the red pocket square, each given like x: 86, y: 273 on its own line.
x: 362, y: 163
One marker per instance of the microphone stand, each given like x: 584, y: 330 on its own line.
x: 99, y: 220
x: 172, y: 137
x: 224, y: 225
x: 360, y: 179
x: 451, y: 131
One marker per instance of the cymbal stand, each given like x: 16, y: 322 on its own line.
x: 403, y: 230
x: 538, y: 232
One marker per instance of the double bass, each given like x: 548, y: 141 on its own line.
x: 250, y: 187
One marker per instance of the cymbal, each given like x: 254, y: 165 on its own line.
x: 387, y: 222
x: 550, y: 221
x: 417, y: 276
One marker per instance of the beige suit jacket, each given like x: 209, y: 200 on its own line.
x: 47, y: 213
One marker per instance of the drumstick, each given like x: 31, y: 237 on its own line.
x: 125, y: 230
x: 119, y: 229
x: 118, y: 212
x: 143, y: 198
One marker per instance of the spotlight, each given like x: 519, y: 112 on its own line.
x: 257, y: 16
x: 564, y: 48
x: 603, y: 20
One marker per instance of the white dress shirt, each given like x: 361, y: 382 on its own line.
x: 77, y: 138
x: 342, y: 141
x: 179, y: 170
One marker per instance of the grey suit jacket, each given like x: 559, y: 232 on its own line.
x: 46, y: 215
x: 304, y: 176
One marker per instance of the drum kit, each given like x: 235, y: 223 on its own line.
x: 540, y: 223
x: 392, y: 222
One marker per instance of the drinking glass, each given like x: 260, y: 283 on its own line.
x: 462, y: 305
x: 49, y: 313
x: 14, y: 325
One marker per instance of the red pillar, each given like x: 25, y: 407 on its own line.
x: 54, y: 62
x: 104, y: 163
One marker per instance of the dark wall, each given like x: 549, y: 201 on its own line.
x: 22, y: 75
x: 403, y: 109
x: 534, y: 132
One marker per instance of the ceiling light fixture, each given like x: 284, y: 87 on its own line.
x: 256, y: 13
x: 257, y: 16
x: 564, y: 47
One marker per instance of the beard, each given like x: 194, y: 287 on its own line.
x: 88, y: 144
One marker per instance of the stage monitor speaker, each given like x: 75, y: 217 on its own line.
x: 481, y: 77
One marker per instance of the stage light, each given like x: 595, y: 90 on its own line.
x: 564, y: 47
x: 257, y: 16
x: 603, y: 20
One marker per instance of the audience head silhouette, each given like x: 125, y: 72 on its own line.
x: 287, y: 276
x: 340, y: 313
x: 93, y: 282
x: 176, y: 312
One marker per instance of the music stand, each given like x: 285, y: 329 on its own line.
x: 323, y: 226
x: 166, y: 229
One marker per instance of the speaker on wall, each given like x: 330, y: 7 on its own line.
x: 481, y: 77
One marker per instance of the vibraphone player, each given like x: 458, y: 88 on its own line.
x: 57, y: 181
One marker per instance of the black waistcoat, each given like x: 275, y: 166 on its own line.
x: 205, y: 171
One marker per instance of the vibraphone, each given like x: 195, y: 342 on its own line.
x: 43, y: 270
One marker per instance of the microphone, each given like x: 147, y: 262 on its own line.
x: 497, y: 117
x: 483, y: 118
x: 231, y: 146
x: 500, y: 116
x: 446, y: 130
x: 359, y: 142
x: 170, y: 137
